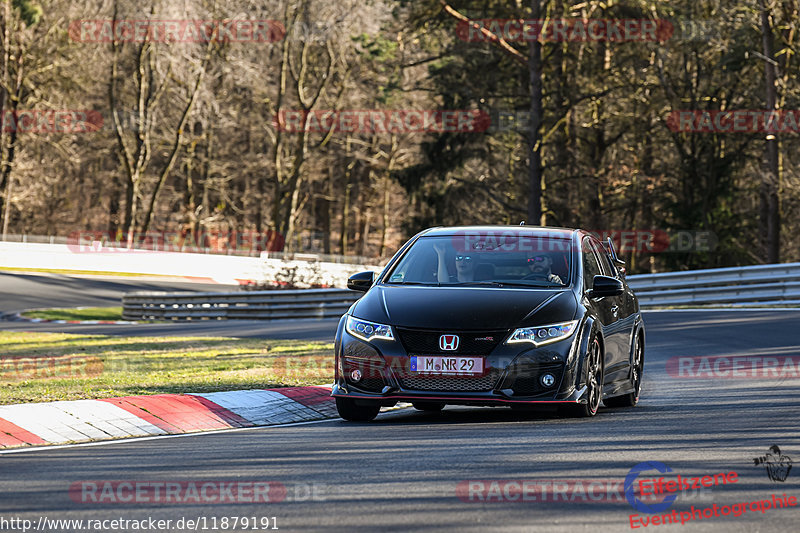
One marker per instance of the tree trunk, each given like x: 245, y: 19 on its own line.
x: 345, y: 205
x: 534, y: 135
x: 364, y: 233
x: 190, y: 198
x: 9, y: 160
x: 327, y: 214
x: 384, y: 217
x: 4, y: 100
x: 113, y: 208
x: 770, y: 207
x: 6, y: 175
x: 177, y: 141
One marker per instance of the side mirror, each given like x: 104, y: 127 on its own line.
x: 361, y: 281
x: 605, y: 286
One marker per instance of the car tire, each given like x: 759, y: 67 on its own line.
x: 428, y: 406
x: 594, y: 383
x: 632, y: 398
x: 353, y: 412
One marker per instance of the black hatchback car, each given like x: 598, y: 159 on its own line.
x: 492, y: 315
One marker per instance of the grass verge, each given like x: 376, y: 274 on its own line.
x: 80, y: 313
x: 82, y: 272
x: 42, y: 367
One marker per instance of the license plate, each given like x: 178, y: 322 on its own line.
x: 435, y: 364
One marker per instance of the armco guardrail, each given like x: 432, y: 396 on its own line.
x: 305, y: 303
x: 737, y: 286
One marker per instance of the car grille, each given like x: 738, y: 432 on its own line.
x: 426, y: 341
x: 451, y: 383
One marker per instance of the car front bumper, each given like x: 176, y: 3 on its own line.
x: 512, y: 375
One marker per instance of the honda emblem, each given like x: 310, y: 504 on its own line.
x: 448, y: 343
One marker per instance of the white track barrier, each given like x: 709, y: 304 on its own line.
x: 207, y: 267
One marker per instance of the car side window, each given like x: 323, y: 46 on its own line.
x: 591, y: 267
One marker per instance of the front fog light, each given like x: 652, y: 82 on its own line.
x: 548, y: 380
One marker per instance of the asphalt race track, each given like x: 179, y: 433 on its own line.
x: 409, y: 470
x: 19, y: 292
x: 22, y: 291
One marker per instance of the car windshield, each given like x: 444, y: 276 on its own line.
x: 507, y: 261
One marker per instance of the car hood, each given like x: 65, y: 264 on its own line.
x: 465, y: 308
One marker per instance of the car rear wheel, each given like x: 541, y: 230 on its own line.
x: 594, y: 383
x: 632, y: 398
x: 428, y: 406
x: 355, y: 412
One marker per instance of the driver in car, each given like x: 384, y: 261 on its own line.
x: 540, y: 267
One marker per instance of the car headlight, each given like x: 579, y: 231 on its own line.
x: 368, y: 330
x: 542, y: 335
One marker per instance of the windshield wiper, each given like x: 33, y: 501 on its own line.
x: 506, y: 284
x: 410, y: 283
x: 460, y: 283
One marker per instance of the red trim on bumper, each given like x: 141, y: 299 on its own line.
x: 446, y: 398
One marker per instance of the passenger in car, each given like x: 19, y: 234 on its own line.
x: 465, y: 266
